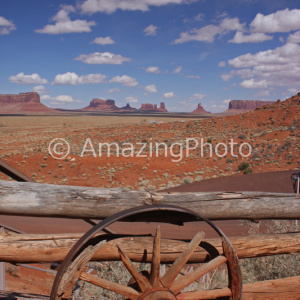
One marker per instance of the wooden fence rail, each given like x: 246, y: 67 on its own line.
x: 42, y: 248
x: 45, y: 200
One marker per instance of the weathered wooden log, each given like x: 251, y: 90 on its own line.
x: 45, y: 200
x: 287, y: 288
x: 35, y: 248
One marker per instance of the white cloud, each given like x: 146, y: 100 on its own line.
x: 41, y: 90
x: 115, y: 90
x: 102, y: 58
x: 254, y: 84
x: 226, y: 101
x: 93, y: 6
x: 226, y: 77
x: 208, y: 33
x: 151, y: 88
x: 103, y: 40
x: 60, y: 99
x: 279, y: 56
x: 242, y: 73
x: 63, y: 23
x: 152, y: 69
x: 263, y: 93
x: 150, y: 30
x: 293, y: 91
x: 256, y: 37
x: 21, y: 78
x: 6, y: 26
x: 197, y: 97
x: 132, y: 99
x: 73, y: 79
x: 193, y: 76
x: 294, y: 38
x: 197, y: 18
x: 169, y: 95
x: 124, y: 80
x: 271, y: 68
x: 222, y: 64
x: 280, y: 21
x: 177, y: 70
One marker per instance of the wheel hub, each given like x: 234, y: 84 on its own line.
x: 158, y: 294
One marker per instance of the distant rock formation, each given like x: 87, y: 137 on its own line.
x: 153, y: 107
x: 127, y: 108
x: 238, y: 106
x: 147, y: 106
x: 23, y: 102
x: 200, y: 110
x: 102, y: 105
x: 162, y: 107
x: 32, y: 97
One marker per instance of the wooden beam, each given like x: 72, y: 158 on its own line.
x: 35, y: 248
x: 287, y: 288
x: 45, y: 200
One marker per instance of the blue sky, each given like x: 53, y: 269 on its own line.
x: 180, y: 52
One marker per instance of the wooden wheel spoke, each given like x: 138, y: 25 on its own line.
x: 125, y: 291
x: 69, y: 279
x: 182, y: 259
x: 201, y: 295
x: 155, y: 266
x: 185, y: 281
x: 142, y: 281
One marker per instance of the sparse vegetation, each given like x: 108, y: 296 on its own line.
x: 275, y: 266
x: 245, y: 167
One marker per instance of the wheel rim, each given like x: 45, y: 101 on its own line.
x: 159, y: 288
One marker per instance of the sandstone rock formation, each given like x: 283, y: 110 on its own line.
x: 23, y: 102
x: 127, y: 108
x: 238, y: 106
x: 109, y: 105
x: 147, y: 106
x: 200, y: 110
x: 162, y: 107
x: 153, y: 107
x: 102, y: 105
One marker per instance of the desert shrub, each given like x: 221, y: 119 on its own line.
x: 245, y: 167
x: 255, y: 155
x: 248, y: 171
x: 12, y: 270
x: 242, y: 137
x: 209, y: 140
x: 187, y: 180
x: 284, y: 146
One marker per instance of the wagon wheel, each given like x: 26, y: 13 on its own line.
x: 152, y: 285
